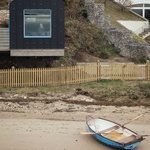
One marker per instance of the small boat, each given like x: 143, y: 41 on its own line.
x: 113, y: 134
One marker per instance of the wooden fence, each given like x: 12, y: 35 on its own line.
x: 72, y: 75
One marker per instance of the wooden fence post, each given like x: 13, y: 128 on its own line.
x: 123, y: 72
x: 98, y: 70
x: 148, y: 70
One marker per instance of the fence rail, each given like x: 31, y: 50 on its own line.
x: 73, y: 74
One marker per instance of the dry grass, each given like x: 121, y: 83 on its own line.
x: 116, y: 14
x: 105, y: 92
x: 4, y: 22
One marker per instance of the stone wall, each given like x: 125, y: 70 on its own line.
x: 121, y: 39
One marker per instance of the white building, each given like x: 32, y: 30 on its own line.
x: 142, y: 7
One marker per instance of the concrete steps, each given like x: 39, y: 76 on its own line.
x: 145, y: 34
x: 4, y: 39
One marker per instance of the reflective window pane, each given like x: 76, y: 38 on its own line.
x: 147, y: 14
x: 138, y: 11
x: 147, y: 5
x: 37, y: 23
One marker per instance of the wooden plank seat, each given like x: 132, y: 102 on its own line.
x: 109, y: 129
x: 127, y: 139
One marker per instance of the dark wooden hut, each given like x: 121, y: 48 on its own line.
x: 37, y: 28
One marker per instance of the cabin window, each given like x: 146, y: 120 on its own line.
x: 37, y: 23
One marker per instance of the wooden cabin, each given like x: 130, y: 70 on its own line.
x: 37, y: 28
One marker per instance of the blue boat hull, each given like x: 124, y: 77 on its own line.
x: 113, y: 143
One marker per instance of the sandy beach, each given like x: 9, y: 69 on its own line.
x: 54, y: 121
x: 61, y: 130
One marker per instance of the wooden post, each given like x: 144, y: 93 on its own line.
x: 148, y: 70
x: 98, y: 70
x: 123, y: 72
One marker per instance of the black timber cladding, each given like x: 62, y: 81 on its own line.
x: 17, y: 40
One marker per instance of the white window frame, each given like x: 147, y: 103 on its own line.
x: 143, y: 8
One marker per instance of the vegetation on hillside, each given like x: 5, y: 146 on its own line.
x: 82, y: 36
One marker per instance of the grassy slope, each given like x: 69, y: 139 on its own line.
x: 82, y: 36
x: 116, y: 14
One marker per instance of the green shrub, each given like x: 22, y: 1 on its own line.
x: 147, y: 95
x: 133, y: 96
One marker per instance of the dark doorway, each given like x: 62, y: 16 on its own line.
x: 147, y: 14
